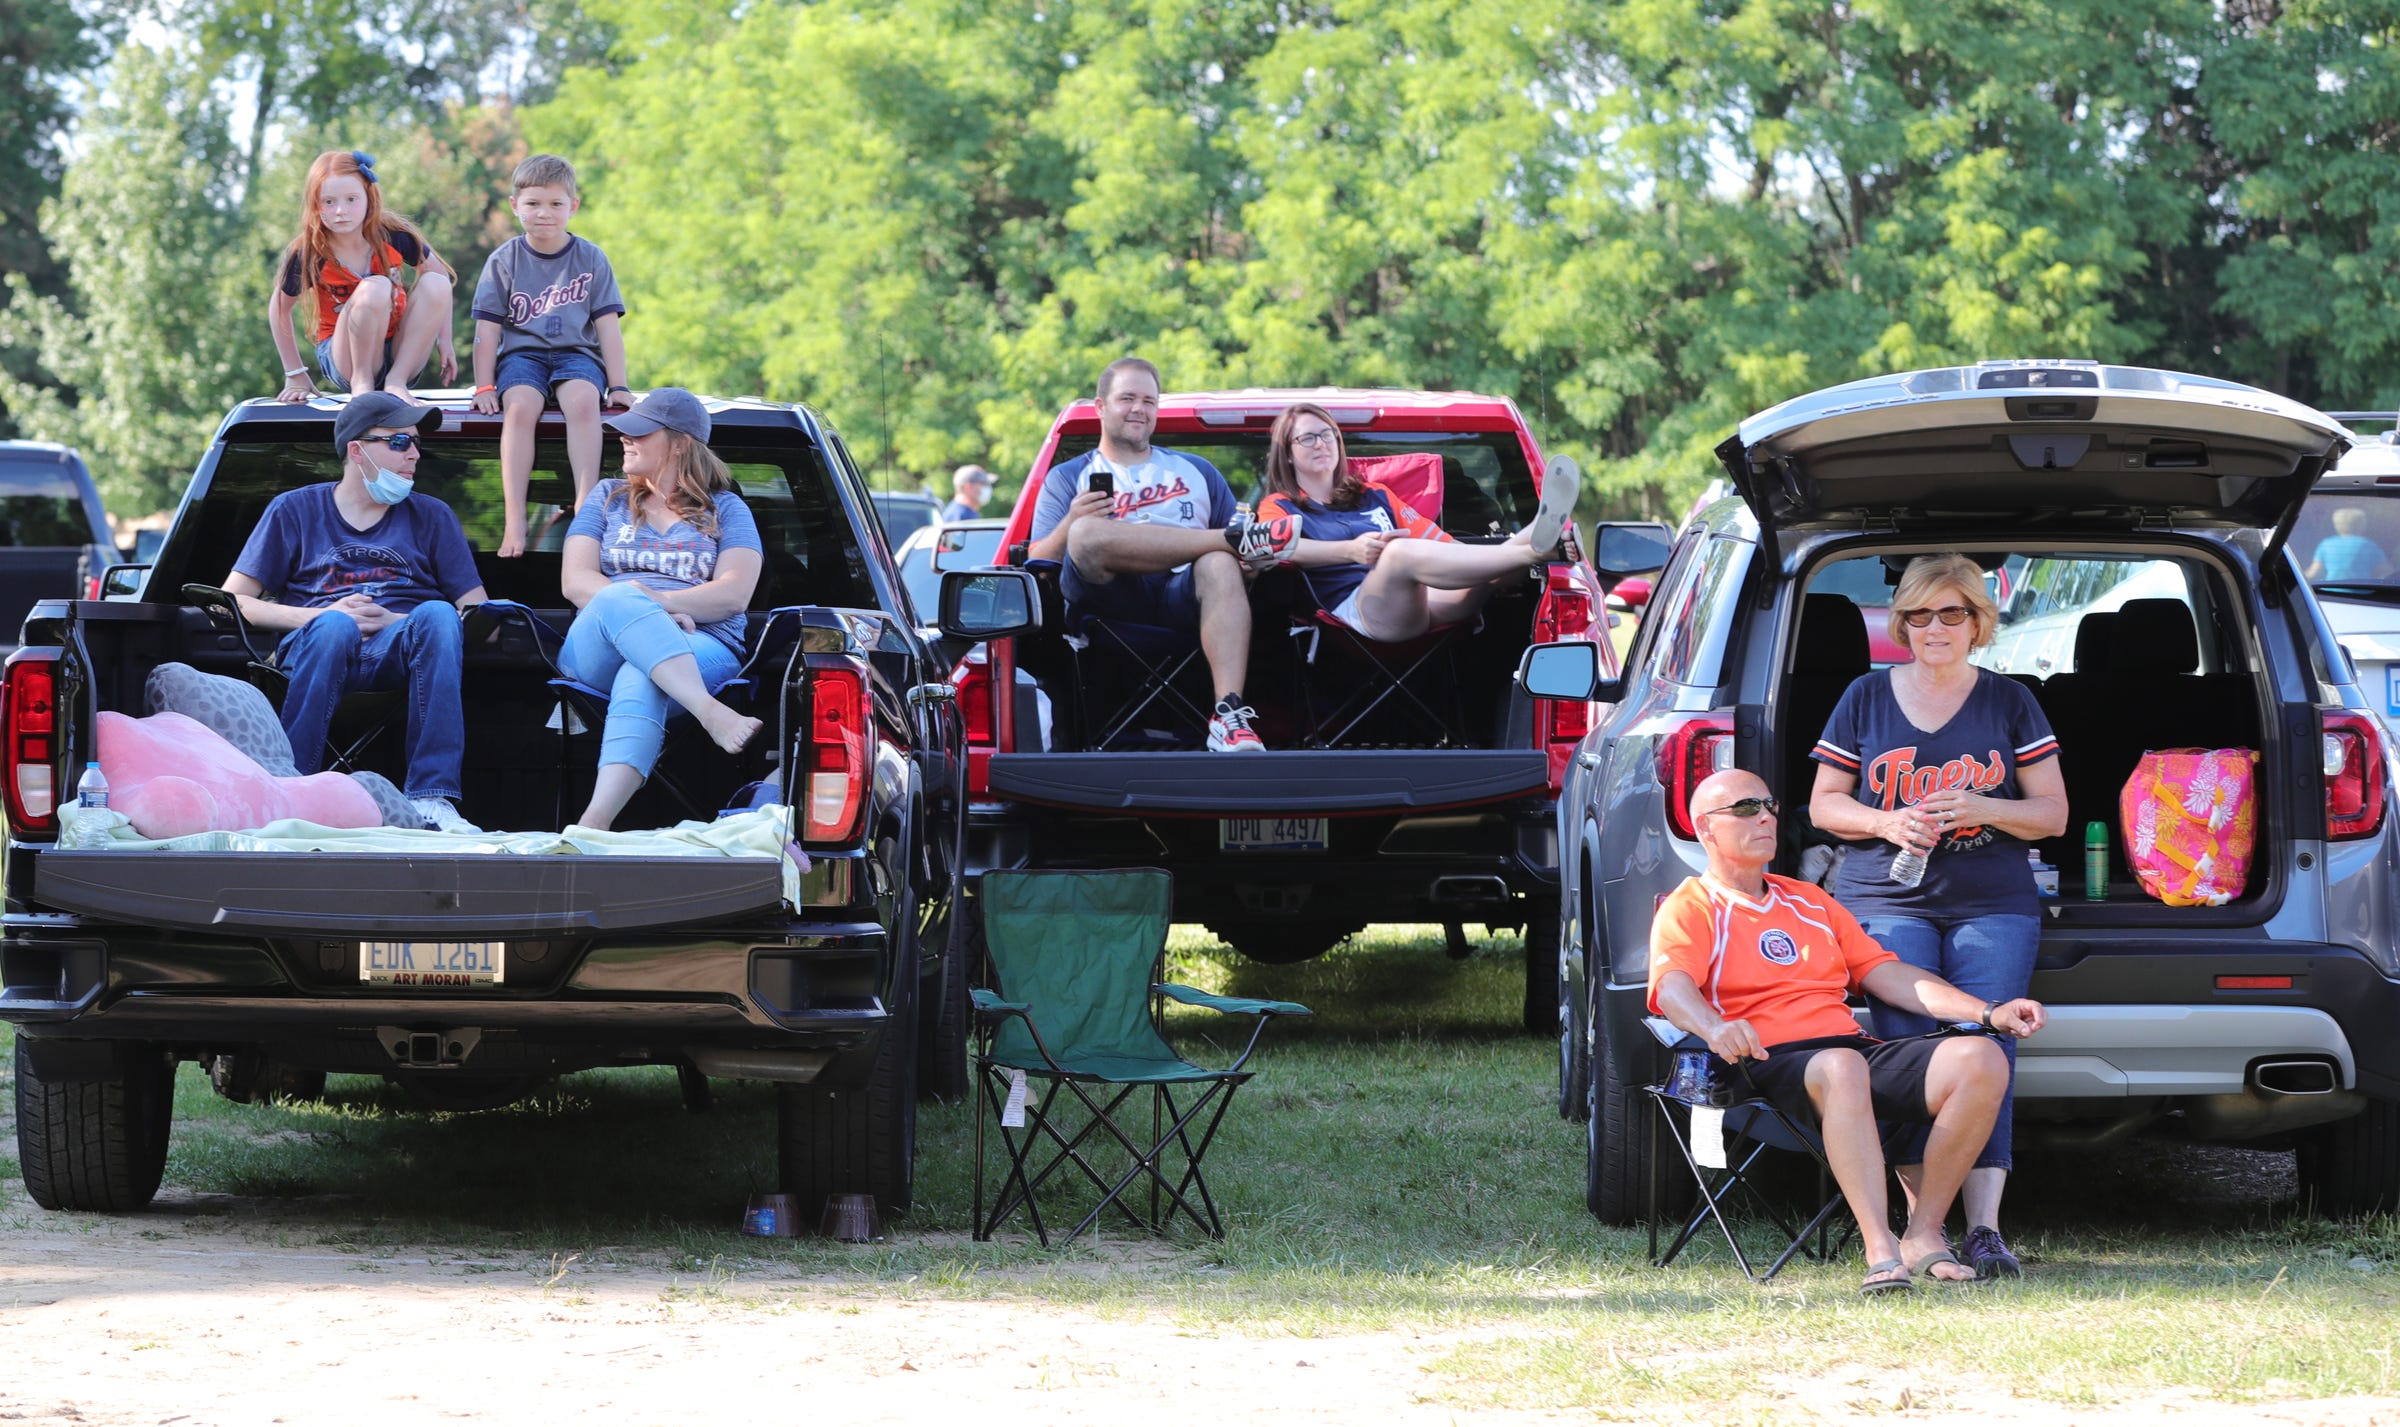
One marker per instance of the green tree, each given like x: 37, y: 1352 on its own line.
x: 44, y: 44
x: 163, y: 327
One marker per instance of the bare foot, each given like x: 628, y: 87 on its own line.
x: 400, y: 390
x: 733, y: 731
x: 512, y: 540
x: 1930, y: 1257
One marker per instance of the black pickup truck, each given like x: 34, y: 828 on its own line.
x: 117, y: 963
x: 54, y: 538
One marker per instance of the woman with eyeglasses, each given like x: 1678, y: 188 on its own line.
x: 1956, y: 762
x: 1369, y: 560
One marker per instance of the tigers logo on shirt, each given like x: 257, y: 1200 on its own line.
x: 1776, y: 945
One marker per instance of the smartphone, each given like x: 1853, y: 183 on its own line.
x: 1100, y: 480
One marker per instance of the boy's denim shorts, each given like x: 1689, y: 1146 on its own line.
x: 333, y: 375
x: 544, y: 368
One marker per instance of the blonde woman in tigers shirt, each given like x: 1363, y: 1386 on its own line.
x: 1761, y: 968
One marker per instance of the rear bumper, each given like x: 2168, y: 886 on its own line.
x: 817, y: 986
x: 1473, y: 864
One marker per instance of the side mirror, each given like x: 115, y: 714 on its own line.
x: 121, y: 580
x: 990, y: 604
x: 1630, y: 547
x: 1567, y: 670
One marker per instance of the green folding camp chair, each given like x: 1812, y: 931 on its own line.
x: 1078, y: 956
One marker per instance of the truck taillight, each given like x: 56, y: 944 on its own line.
x: 2353, y: 775
x: 837, y: 754
x: 974, y: 684
x: 1696, y: 748
x: 31, y: 741
x: 1566, y: 612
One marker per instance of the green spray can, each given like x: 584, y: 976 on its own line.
x: 2095, y: 862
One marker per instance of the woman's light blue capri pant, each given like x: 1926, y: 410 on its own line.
x: 614, y: 643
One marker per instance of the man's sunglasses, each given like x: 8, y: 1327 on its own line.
x: 1947, y: 614
x: 1746, y: 808
x: 403, y: 440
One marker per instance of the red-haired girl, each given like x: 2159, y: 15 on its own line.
x: 371, y: 331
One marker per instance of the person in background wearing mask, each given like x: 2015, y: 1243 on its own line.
x: 970, y: 487
x: 365, y: 579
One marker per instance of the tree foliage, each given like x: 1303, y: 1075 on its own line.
x: 1640, y: 219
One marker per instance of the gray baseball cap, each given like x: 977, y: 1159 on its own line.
x: 362, y: 414
x: 669, y: 408
x: 971, y: 476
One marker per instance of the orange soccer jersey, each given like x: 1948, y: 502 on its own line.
x: 1785, y: 965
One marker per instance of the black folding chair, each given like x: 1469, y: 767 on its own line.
x: 1077, y: 956
x: 360, y: 720
x: 1755, y: 1125
x: 578, y: 704
x: 1405, y: 693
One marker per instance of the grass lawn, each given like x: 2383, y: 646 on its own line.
x: 1398, y: 1163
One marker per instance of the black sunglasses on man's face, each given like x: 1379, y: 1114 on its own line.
x: 398, y: 440
x: 1746, y: 808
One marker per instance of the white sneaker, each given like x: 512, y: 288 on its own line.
x: 1562, y: 481
x: 442, y: 817
x: 1229, y: 731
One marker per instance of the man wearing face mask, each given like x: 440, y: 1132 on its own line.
x: 366, y: 577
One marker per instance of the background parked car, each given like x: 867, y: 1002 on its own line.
x: 54, y: 537
x: 904, y: 513
x: 2268, y: 1021
x: 931, y: 549
x: 2363, y: 604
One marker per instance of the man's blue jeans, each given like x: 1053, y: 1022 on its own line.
x: 615, y: 642
x: 329, y: 657
x: 1991, y: 957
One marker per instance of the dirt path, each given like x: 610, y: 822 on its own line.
x: 174, y: 1319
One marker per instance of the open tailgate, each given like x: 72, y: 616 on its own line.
x: 1281, y: 782
x: 440, y: 897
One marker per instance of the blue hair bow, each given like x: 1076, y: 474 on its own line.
x: 366, y: 164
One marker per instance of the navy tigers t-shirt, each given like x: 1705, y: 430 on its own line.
x: 1974, y: 871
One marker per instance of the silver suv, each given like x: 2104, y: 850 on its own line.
x: 2136, y: 527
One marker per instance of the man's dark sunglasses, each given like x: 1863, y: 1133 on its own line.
x: 1746, y: 808
x: 398, y: 440
x: 1947, y: 614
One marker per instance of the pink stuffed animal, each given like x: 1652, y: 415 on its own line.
x: 172, y: 776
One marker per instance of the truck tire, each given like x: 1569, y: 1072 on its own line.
x: 1282, y: 941
x: 945, y: 1024
x: 2351, y: 1169
x: 855, y: 1139
x: 94, y: 1139
x: 1616, y: 1140
x: 1542, y: 983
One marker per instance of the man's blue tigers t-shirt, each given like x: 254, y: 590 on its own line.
x: 1974, y: 871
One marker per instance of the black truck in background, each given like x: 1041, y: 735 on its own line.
x: 54, y: 536
x: 116, y: 964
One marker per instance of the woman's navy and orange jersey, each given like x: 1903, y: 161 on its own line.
x: 1377, y: 509
x: 335, y: 283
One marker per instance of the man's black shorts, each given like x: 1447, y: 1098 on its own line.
x: 1895, y: 1074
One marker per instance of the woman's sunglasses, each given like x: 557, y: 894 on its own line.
x: 1746, y: 808
x: 398, y: 440
x: 1947, y: 614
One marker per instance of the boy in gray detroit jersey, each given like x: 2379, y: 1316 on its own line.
x: 546, y: 314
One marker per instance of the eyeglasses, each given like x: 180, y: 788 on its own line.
x: 398, y: 440
x: 1947, y: 614
x: 1746, y: 808
x: 1315, y: 440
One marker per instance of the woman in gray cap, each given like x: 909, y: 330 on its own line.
x: 662, y: 564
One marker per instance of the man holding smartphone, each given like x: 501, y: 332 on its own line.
x: 1146, y: 535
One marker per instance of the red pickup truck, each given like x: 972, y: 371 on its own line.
x: 1406, y: 783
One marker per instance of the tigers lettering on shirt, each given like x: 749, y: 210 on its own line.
x: 1163, y: 490
x: 681, y: 552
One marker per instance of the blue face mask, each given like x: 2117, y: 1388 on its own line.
x: 389, y: 487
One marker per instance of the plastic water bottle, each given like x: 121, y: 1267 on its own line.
x: 2095, y: 862
x: 91, y: 793
x: 1908, y: 869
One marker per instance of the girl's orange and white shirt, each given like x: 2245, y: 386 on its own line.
x: 1786, y: 964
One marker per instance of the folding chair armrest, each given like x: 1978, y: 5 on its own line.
x: 503, y: 612
x: 1230, y: 1005
x: 988, y: 1003
x: 223, y: 608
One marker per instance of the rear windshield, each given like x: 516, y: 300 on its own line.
x: 2349, y: 538
x: 1487, y: 486
x: 811, y: 557
x: 40, y: 505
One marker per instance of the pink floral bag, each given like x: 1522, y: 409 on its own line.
x: 2191, y: 823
